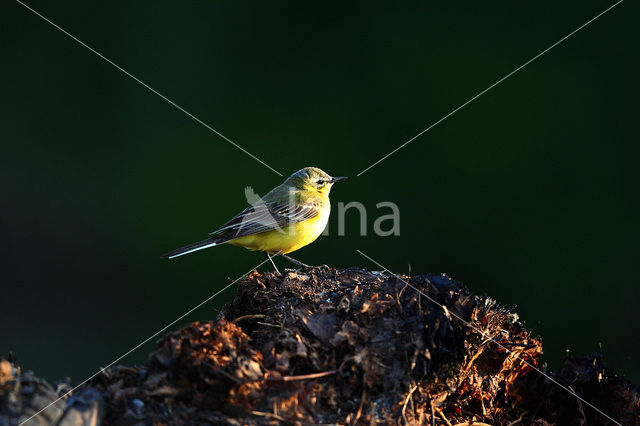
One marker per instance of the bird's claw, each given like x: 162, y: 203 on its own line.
x: 323, y: 267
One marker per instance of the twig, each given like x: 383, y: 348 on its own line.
x: 406, y: 401
x: 275, y: 416
x: 442, y: 416
x: 359, y: 412
x: 292, y: 378
x: 519, y: 419
x: 302, y: 376
x: 524, y: 345
x: 398, y: 297
x: 473, y: 359
x: 268, y: 324
x: 244, y: 317
x: 402, y: 291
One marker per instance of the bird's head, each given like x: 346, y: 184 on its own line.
x: 312, y: 179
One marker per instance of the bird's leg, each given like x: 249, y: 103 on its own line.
x: 271, y: 260
x: 302, y: 265
x: 297, y: 262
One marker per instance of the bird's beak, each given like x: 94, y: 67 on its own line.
x: 336, y: 179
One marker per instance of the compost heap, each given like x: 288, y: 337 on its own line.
x: 354, y: 347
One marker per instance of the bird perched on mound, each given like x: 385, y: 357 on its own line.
x: 288, y: 217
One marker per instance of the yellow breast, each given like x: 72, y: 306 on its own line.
x: 287, y: 239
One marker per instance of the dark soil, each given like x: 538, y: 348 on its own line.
x: 346, y: 347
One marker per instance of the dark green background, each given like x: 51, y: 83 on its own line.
x: 528, y: 194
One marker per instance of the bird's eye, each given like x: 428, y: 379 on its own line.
x: 320, y: 182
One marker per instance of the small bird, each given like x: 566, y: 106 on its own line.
x: 288, y: 217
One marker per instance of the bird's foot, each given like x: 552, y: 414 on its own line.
x: 321, y: 267
x: 303, y: 266
x: 297, y: 262
x: 308, y: 268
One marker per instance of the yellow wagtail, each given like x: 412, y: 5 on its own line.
x: 288, y: 217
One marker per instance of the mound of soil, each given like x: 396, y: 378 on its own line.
x: 347, y: 347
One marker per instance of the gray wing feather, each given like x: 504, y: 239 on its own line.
x: 262, y: 217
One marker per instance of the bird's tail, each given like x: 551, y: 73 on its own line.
x: 200, y: 245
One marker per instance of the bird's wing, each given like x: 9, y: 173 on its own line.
x: 262, y: 217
